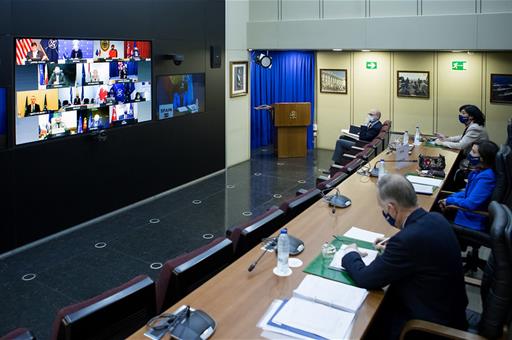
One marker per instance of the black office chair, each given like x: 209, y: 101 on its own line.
x: 115, y: 314
x: 296, y: 205
x: 246, y: 236
x: 502, y: 192
x: 19, y: 334
x: 183, y: 274
x: 325, y: 183
x: 496, y: 289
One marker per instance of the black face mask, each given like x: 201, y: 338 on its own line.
x: 389, y: 218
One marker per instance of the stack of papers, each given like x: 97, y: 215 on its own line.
x: 331, y: 293
x: 336, y: 260
x: 424, y: 185
x: 348, y: 134
x: 363, y: 235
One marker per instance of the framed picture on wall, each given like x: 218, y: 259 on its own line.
x: 238, y: 78
x: 333, y: 81
x: 414, y: 84
x: 501, y: 88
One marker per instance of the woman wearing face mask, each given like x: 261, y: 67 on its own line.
x: 478, y: 191
x: 474, y: 120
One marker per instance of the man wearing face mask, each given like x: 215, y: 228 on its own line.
x: 479, y: 189
x: 368, y: 131
x: 421, y: 264
x: 474, y: 121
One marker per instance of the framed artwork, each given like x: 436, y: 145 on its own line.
x: 415, y: 84
x: 501, y: 88
x: 333, y: 81
x: 238, y: 78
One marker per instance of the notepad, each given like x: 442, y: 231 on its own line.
x: 336, y: 261
x: 424, y: 180
x: 363, y: 235
x: 423, y: 189
x: 331, y: 293
x: 348, y: 134
x: 313, y: 319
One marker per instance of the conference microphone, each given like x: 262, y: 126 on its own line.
x: 269, y: 246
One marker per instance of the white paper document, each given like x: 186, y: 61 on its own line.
x: 423, y: 189
x: 331, y: 293
x: 272, y: 332
x: 363, y: 235
x: 425, y: 180
x: 336, y: 261
x: 348, y: 134
x: 314, y: 318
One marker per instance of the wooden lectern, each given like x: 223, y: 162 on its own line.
x: 291, y: 121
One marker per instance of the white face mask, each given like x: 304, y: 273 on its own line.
x: 371, y: 118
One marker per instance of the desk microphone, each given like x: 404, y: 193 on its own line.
x: 269, y: 246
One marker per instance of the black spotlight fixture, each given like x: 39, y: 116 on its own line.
x: 264, y: 60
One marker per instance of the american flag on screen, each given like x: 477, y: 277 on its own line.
x: 22, y: 48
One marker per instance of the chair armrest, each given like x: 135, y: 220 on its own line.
x: 447, y: 192
x: 349, y: 155
x: 478, y: 212
x: 437, y: 329
x: 337, y: 166
x: 357, y: 148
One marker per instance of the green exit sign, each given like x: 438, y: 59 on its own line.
x: 371, y: 65
x: 458, y: 65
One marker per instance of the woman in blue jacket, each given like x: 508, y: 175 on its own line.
x: 478, y: 191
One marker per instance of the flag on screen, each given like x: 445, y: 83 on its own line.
x: 45, y: 103
x: 89, y: 71
x: 51, y: 48
x: 114, y: 113
x: 26, y: 103
x: 46, y: 74
x: 41, y: 73
x: 83, y: 81
x: 70, y: 95
x: 130, y: 112
x: 79, y: 127
x: 22, y: 48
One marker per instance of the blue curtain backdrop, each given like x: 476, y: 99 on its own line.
x: 290, y: 79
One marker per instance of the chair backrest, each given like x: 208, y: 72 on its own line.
x: 114, y: 314
x: 353, y: 166
x: 502, y: 183
x: 333, y: 182
x: 509, y: 132
x: 183, y: 274
x: 496, y: 289
x: 19, y: 334
x: 297, y: 205
x: 378, y: 143
x: 248, y: 235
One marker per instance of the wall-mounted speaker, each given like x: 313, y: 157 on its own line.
x: 215, y: 56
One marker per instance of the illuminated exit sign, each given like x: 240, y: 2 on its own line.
x: 459, y: 65
x: 371, y: 65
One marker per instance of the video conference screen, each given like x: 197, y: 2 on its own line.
x: 3, y: 116
x: 69, y: 86
x: 179, y: 95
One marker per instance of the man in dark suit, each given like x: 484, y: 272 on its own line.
x: 35, y: 54
x: 58, y: 77
x: 367, y: 132
x: 33, y: 107
x: 421, y: 264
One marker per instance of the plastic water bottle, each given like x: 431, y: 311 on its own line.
x: 283, y: 251
x: 382, y: 170
x: 417, y: 136
x: 406, y: 138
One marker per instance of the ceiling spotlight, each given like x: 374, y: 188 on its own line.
x: 337, y: 49
x: 365, y: 50
x: 264, y: 60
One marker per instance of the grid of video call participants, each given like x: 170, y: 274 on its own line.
x: 67, y: 87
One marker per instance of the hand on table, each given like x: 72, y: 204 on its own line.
x: 353, y: 247
x: 380, y: 243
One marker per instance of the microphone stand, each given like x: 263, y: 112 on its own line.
x: 268, y: 247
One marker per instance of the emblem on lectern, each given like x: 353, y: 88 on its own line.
x: 293, y: 115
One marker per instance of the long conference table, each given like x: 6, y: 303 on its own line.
x: 237, y: 299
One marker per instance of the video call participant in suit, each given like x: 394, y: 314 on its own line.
x: 57, y: 77
x: 77, y: 100
x: 479, y: 189
x: 35, y: 54
x: 33, y: 107
x: 421, y: 264
x: 474, y: 131
x: 76, y: 53
x: 369, y: 130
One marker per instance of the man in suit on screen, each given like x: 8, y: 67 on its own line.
x: 33, y: 107
x: 35, y: 54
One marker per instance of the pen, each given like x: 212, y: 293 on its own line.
x: 337, y: 238
x: 381, y: 243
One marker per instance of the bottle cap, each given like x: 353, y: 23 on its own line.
x: 284, y: 231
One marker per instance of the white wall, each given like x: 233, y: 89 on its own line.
x: 238, y: 146
x: 380, y: 24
